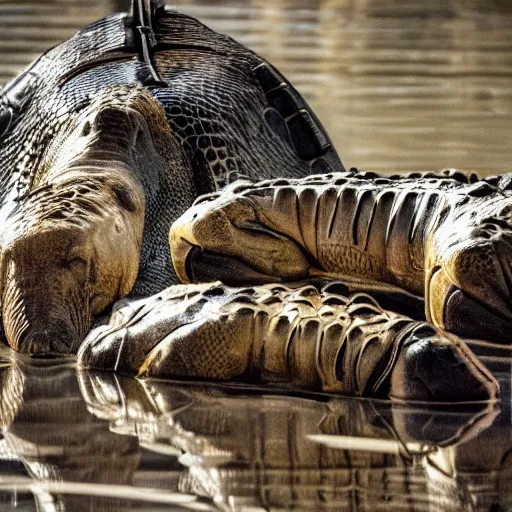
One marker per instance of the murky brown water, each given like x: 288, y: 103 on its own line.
x: 399, y: 85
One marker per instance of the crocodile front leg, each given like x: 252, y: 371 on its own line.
x: 318, y: 338
x: 357, y: 227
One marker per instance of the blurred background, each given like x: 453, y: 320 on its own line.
x: 399, y: 85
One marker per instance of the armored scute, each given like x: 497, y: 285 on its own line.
x: 107, y: 139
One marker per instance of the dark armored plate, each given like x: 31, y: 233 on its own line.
x: 232, y: 111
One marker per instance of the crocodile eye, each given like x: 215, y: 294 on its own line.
x: 5, y: 119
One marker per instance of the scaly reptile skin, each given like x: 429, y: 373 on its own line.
x: 321, y: 338
x: 105, y: 141
x: 92, y: 108
x: 441, y: 239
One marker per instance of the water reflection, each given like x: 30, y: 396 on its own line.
x: 96, y: 441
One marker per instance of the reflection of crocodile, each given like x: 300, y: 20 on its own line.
x: 47, y: 427
x: 233, y: 447
x: 110, y: 136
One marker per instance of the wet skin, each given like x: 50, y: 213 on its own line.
x: 445, y: 241
x: 76, y: 236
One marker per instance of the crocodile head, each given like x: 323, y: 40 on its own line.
x: 71, y: 244
x: 230, y: 236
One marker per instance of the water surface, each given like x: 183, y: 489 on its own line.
x: 78, y: 440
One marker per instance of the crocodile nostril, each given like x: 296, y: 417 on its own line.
x: 490, y: 228
x: 481, y: 233
x: 496, y: 222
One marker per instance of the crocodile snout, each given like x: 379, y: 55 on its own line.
x: 226, y: 240
x: 45, y: 299
x: 70, y: 261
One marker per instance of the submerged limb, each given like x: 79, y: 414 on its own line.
x: 312, y: 337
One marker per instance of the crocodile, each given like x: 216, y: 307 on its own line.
x: 389, y: 235
x: 445, y: 240
x: 321, y: 338
x: 106, y: 139
x: 104, y: 142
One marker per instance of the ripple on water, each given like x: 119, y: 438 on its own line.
x: 96, y: 441
x: 399, y: 86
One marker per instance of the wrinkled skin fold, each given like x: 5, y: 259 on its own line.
x: 314, y: 337
x: 441, y: 238
x: 57, y: 265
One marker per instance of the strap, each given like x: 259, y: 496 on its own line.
x: 143, y: 14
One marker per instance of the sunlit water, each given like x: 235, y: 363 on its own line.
x: 98, y: 441
x: 400, y: 86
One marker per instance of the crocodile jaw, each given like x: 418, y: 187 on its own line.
x: 224, y: 234
x: 468, y: 286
